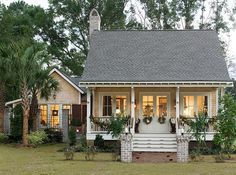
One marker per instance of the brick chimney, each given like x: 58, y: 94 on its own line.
x: 94, y: 21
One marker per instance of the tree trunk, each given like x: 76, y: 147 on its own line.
x: 34, y: 111
x: 26, y: 110
x: 2, y: 105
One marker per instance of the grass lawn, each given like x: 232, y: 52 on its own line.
x: 46, y: 160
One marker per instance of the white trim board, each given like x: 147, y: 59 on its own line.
x: 159, y: 84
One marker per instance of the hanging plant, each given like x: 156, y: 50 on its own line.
x: 147, y: 119
x: 161, y: 119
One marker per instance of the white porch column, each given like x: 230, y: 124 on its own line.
x: 93, y: 106
x: 222, y: 92
x: 133, y: 108
x: 88, y: 111
x: 177, y: 110
x: 217, y: 101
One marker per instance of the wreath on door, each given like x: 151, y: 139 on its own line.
x: 148, y: 115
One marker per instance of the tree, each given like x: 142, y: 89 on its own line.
x: 226, y: 125
x: 43, y: 87
x: 27, y: 65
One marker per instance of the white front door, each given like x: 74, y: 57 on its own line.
x: 156, y: 106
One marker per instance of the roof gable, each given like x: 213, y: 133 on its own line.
x: 150, y: 56
x: 71, y: 80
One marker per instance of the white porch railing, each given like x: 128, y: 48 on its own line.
x: 96, y: 127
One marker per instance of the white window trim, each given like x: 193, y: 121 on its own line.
x: 154, y: 94
x: 113, y: 94
x: 195, y: 94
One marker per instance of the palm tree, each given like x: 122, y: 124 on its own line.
x: 44, y: 87
x: 28, y: 67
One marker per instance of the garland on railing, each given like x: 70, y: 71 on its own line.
x: 102, y: 124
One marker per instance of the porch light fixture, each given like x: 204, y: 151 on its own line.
x: 54, y: 96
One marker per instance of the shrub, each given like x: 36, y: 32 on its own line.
x: 54, y: 136
x: 83, y: 141
x: 69, y: 153
x: 16, y: 120
x: 226, y: 125
x: 75, y: 122
x: 3, y: 138
x: 72, y: 136
x: 99, y: 141
x: 90, y: 153
x: 37, y: 138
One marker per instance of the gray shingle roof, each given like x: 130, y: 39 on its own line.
x: 144, y: 56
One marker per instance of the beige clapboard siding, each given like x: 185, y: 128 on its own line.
x: 170, y: 90
x: 67, y: 94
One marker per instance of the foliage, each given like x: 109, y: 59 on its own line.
x: 198, y: 131
x: 147, y: 119
x: 90, y: 153
x: 3, y: 138
x: 117, y: 125
x: 16, y: 122
x: 54, y: 135
x: 99, y: 141
x: 72, y: 136
x: 69, y: 153
x: 37, y: 138
x: 75, y: 122
x: 83, y: 141
x: 226, y: 125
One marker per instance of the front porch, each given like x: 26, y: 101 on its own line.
x: 165, y: 106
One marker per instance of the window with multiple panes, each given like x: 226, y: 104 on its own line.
x: 121, y: 104
x: 55, y: 119
x: 43, y: 115
x: 194, y: 105
x: 161, y: 102
x: 147, y: 105
x: 114, y: 104
x: 107, y: 106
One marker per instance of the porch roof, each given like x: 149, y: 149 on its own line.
x: 155, y: 56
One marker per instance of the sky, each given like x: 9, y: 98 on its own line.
x: 232, y: 42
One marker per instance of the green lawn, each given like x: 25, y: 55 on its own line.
x: 46, y: 160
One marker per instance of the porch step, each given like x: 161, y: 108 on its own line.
x: 154, y: 143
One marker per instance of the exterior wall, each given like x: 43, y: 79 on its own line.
x: 67, y: 94
x: 171, y: 91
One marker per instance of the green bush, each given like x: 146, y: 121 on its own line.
x: 16, y: 120
x: 3, y: 138
x: 54, y: 135
x: 37, y: 138
x: 99, y: 141
x: 90, y: 153
x: 226, y: 126
x: 69, y: 153
x: 72, y: 136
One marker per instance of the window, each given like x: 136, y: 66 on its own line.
x: 147, y: 106
x: 113, y: 104
x: 107, y: 106
x: 43, y: 115
x: 202, y: 105
x: 55, y: 120
x: 195, y: 105
x: 120, y: 104
x: 161, y: 106
x: 188, y: 106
